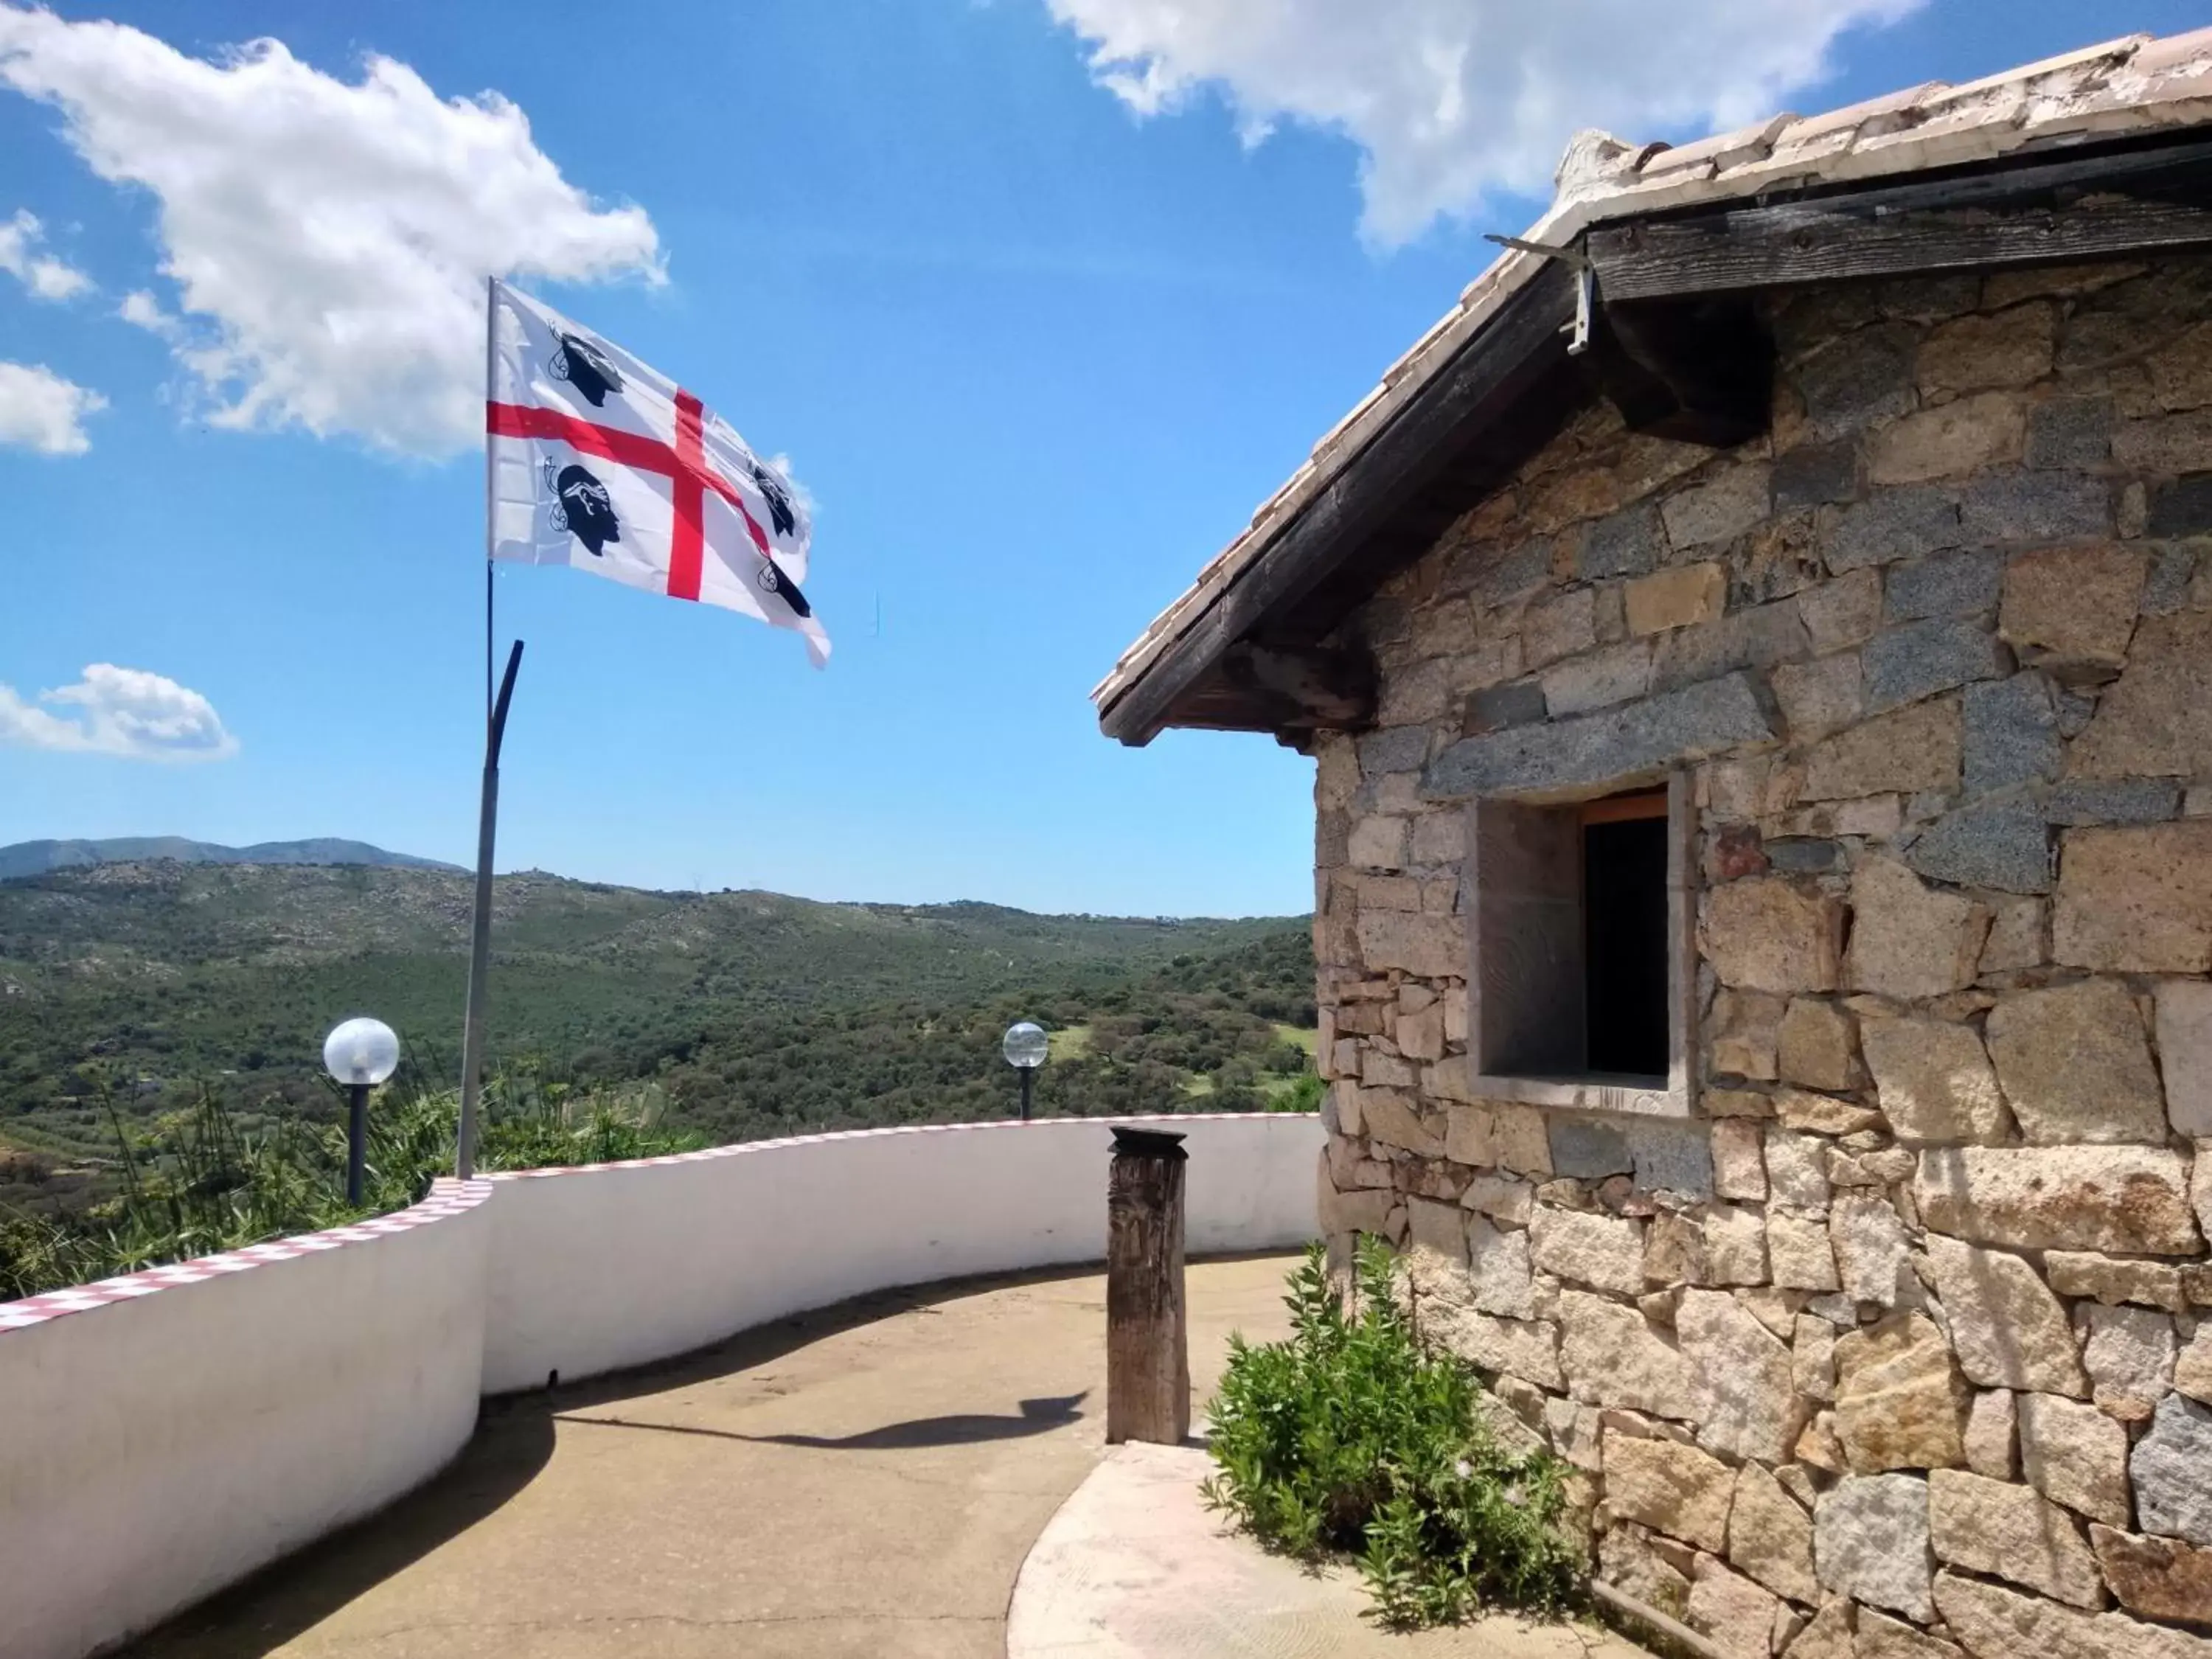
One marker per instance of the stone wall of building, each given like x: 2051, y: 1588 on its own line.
x: 1902, y: 1343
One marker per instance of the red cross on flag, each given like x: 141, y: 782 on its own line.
x: 601, y: 463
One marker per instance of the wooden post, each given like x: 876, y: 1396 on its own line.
x: 1147, y: 1346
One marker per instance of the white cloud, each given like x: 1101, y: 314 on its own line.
x: 328, y: 239
x: 126, y: 711
x: 142, y: 310
x: 48, y: 277
x: 41, y: 411
x: 1453, y: 101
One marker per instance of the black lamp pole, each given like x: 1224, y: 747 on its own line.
x: 356, y: 1140
x: 359, y: 1053
x: 1026, y: 1048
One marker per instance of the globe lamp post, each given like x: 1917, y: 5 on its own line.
x: 1024, y: 1049
x: 360, y: 1053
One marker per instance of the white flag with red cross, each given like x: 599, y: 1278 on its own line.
x: 602, y: 464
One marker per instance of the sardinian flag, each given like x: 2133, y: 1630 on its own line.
x: 600, y: 463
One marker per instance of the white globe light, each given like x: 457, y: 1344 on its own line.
x: 361, y: 1051
x: 1026, y: 1046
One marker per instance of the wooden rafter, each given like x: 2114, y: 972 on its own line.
x: 1699, y: 371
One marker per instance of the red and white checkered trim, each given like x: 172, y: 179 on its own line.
x: 745, y: 1148
x: 448, y: 1197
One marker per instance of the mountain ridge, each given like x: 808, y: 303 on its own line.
x: 38, y: 858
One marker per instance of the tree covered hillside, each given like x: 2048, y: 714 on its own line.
x: 757, y: 1014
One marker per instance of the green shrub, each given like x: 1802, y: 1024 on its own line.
x: 201, y: 1183
x: 1352, y: 1435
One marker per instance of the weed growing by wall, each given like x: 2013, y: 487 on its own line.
x: 1352, y: 1435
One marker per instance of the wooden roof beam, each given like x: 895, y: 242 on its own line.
x: 2110, y: 206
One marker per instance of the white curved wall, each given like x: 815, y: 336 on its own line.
x: 595, y: 1269
x: 163, y: 1434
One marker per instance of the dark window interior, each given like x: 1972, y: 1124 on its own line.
x: 1624, y: 950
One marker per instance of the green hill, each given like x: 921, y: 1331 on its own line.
x: 143, y: 983
x: 34, y: 858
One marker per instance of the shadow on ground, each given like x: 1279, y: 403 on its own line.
x: 960, y: 1428
x: 513, y: 1442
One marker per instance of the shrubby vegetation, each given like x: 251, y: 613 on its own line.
x: 753, y: 1014
x: 1352, y: 1435
x: 161, y: 1026
x: 200, y: 1183
x: 1215, y: 1031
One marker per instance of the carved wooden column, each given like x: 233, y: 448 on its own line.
x: 1147, y: 1346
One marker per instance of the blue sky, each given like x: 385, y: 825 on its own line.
x: 1035, y: 347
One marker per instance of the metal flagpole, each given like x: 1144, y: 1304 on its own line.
x: 496, y: 707
x: 472, y: 1038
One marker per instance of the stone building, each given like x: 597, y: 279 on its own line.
x: 1757, y: 653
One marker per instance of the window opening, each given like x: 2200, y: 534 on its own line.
x: 1580, y: 966
x: 1624, y: 883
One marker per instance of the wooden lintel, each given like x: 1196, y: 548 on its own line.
x: 1697, y: 370
x: 2101, y: 208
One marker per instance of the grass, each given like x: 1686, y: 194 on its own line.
x: 1251, y: 1089
x: 1291, y: 1093
x: 202, y: 1182
x: 1073, y: 1043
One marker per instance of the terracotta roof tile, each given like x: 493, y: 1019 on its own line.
x: 1875, y: 116
x: 1722, y: 149
x: 2192, y: 51
x: 2096, y: 59
x: 1977, y: 132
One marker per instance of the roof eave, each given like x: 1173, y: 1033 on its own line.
x: 2130, y: 87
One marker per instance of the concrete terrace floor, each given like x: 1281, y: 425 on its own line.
x: 1133, y: 1565
x: 865, y: 1481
